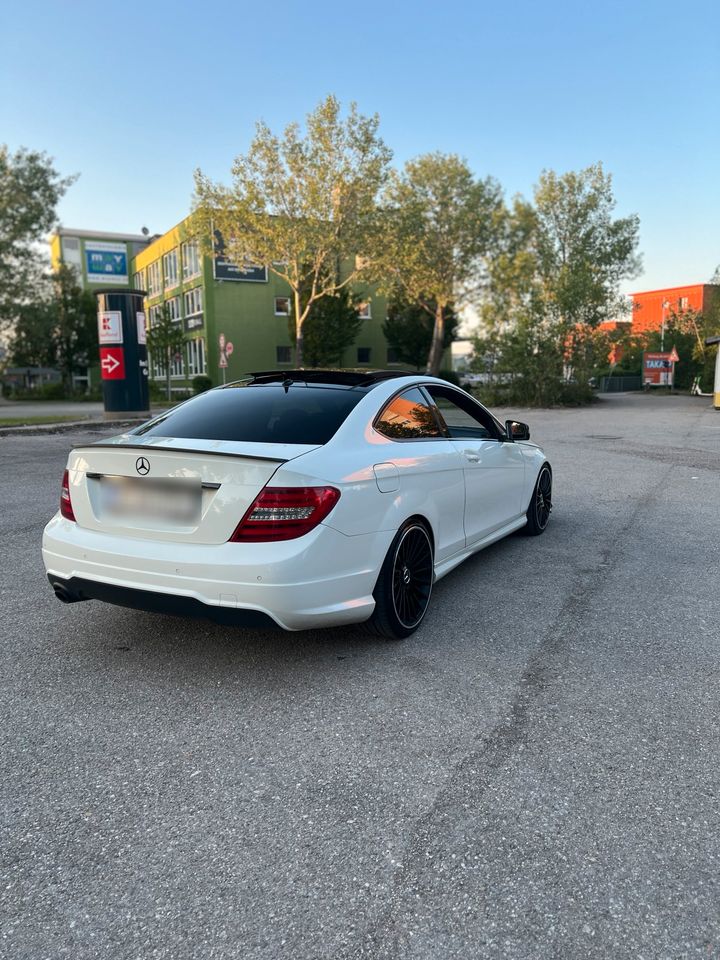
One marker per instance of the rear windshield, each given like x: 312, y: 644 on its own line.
x: 259, y: 413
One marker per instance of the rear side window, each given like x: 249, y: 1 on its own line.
x: 259, y: 413
x: 408, y: 417
x: 463, y: 418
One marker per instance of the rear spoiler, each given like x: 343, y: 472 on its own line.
x: 205, y: 453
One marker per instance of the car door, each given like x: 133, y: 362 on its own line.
x: 494, y: 470
x: 430, y: 468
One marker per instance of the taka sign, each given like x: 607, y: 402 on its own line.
x: 657, y: 369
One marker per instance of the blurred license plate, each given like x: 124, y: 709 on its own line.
x: 175, y: 502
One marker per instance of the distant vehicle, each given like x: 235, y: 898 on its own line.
x: 472, y: 379
x: 296, y: 498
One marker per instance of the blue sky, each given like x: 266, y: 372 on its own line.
x: 134, y: 96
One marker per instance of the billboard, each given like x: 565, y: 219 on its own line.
x: 657, y: 369
x: 224, y: 269
x: 106, y: 262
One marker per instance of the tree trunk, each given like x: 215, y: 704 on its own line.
x: 436, y: 347
x: 298, y: 331
x: 167, y: 374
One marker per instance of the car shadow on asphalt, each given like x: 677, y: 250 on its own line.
x: 472, y: 601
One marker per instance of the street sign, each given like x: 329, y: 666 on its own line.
x: 229, y: 349
x: 221, y: 341
x: 223, y: 361
x: 673, y: 358
x: 112, y: 363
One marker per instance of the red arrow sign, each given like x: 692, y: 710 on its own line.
x: 112, y: 363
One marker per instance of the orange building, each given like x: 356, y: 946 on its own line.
x: 653, y: 307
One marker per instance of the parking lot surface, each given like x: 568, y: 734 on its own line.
x: 534, y: 774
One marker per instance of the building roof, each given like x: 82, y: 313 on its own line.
x: 683, y: 286
x: 101, y: 235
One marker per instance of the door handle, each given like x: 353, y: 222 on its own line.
x: 472, y: 455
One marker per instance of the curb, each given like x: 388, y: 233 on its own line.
x: 40, y: 429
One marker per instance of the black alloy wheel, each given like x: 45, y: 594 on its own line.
x: 412, y: 576
x: 403, y: 589
x: 538, y: 513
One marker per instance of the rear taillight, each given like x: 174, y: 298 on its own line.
x: 65, y: 502
x: 283, y: 513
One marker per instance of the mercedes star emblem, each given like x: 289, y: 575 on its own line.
x: 142, y: 466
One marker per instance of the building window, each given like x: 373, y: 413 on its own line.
x: 196, y: 357
x: 282, y: 306
x: 170, y: 269
x: 154, y: 279
x: 683, y: 303
x: 173, y: 308
x: 190, y: 259
x: 177, y: 367
x: 364, y: 311
x: 283, y: 354
x: 393, y: 355
x: 139, y: 280
x: 154, y: 314
x: 363, y: 355
x: 193, y: 301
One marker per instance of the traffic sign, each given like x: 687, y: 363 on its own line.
x: 221, y: 341
x: 229, y: 349
x: 112, y: 363
x: 674, y: 358
x: 223, y: 361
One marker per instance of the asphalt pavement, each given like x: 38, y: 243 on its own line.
x: 534, y: 774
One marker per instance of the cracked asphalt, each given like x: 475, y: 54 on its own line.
x: 534, y: 774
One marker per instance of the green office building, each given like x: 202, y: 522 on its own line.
x: 212, y: 298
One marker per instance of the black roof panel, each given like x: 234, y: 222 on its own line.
x: 340, y: 378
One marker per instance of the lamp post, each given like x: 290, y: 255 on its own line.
x: 665, y: 305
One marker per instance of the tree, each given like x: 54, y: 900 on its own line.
x: 582, y: 253
x: 302, y: 206
x: 165, y: 339
x: 555, y: 279
x: 58, y: 328
x: 409, y: 330
x: 30, y: 190
x: 75, y: 329
x: 440, y: 224
x: 32, y: 343
x: 332, y: 325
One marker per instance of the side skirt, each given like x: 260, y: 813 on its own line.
x: 451, y: 562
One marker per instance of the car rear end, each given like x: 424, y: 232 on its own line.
x: 207, y: 526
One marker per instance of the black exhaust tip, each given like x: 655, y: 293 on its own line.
x: 64, y: 595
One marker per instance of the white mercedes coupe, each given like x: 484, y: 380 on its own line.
x: 304, y: 498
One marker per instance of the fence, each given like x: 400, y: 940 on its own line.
x: 620, y: 384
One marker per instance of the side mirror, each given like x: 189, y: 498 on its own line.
x: 515, y: 430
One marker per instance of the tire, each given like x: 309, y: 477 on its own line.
x: 403, y: 588
x: 538, y: 513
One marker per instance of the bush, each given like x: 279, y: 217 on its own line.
x: 201, y: 384
x: 450, y: 376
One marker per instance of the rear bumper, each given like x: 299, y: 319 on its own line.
x: 76, y: 589
x: 322, y: 579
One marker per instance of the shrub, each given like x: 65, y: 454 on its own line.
x: 450, y: 376
x: 201, y: 384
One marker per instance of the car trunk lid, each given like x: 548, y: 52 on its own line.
x: 171, y: 489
